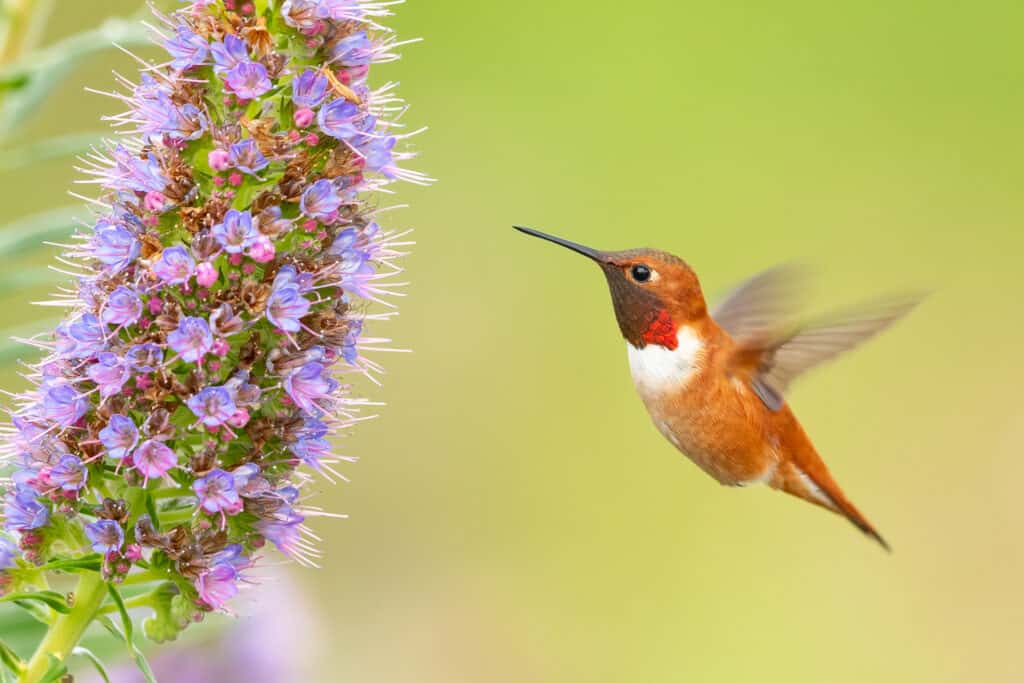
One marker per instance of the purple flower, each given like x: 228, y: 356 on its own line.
x: 349, y: 349
x: 192, y: 340
x: 285, y: 307
x: 153, y: 459
x: 287, y: 276
x: 248, y: 80
x: 114, y: 245
x: 109, y: 373
x: 284, y: 530
x: 63, y: 405
x: 123, y: 307
x: 187, y: 48
x: 130, y: 172
x: 145, y: 358
x: 247, y: 158
x: 236, y: 233
x: 22, y: 511
x: 8, y: 551
x: 354, y: 50
x: 229, y: 54
x: 377, y: 155
x: 217, y: 585
x: 338, y: 119
x: 106, y: 535
x: 175, y: 266
x: 217, y: 492
x: 301, y: 14
x: 339, y: 10
x: 308, y: 384
x: 213, y: 406
x: 69, y: 473
x: 320, y: 200
x: 120, y: 436
x: 311, y: 451
x: 82, y: 338
x: 309, y: 89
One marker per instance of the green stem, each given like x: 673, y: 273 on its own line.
x: 68, y: 629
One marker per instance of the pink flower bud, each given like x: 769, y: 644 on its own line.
x: 219, y: 159
x: 206, y: 274
x: 235, y: 259
x: 155, y: 305
x: 235, y: 178
x: 133, y: 553
x: 312, y: 139
x: 303, y: 117
x: 221, y: 347
x: 218, y: 180
x: 240, y: 418
x: 262, y: 251
x: 154, y: 201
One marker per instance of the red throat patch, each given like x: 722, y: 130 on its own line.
x: 662, y: 331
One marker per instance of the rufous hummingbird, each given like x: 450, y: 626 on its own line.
x: 714, y: 382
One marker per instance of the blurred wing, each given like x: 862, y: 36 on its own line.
x: 763, y: 305
x: 774, y: 366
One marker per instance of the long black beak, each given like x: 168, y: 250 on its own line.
x: 578, y: 248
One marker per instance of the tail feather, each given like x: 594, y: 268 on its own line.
x: 819, y: 488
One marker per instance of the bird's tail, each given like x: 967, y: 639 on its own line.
x: 814, y: 484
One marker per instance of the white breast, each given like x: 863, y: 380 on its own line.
x: 656, y: 368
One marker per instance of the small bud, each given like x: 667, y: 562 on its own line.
x: 206, y: 274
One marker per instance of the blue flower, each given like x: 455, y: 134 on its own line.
x: 187, y: 48
x: 8, y: 551
x: 120, y: 436
x: 338, y: 119
x: 123, y: 307
x: 285, y: 307
x: 145, y: 358
x: 192, y: 340
x: 22, y: 511
x: 229, y: 54
x: 114, y: 246
x: 213, y: 406
x: 63, y: 405
x: 247, y: 158
x: 353, y: 50
x: 106, y: 535
x: 216, y: 492
x: 248, y: 80
x: 310, y: 384
x: 309, y: 89
x: 236, y: 232
x: 109, y: 373
x: 175, y: 266
x: 69, y: 473
x: 320, y: 200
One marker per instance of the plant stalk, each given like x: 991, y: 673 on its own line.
x: 68, y: 629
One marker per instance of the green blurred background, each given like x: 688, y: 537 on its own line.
x: 514, y: 517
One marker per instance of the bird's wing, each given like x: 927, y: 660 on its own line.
x: 773, y: 363
x: 763, y: 305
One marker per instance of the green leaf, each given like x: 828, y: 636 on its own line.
x: 84, y: 652
x: 90, y: 563
x: 42, y: 70
x: 55, y: 672
x: 172, y: 613
x: 129, y: 637
x: 52, y: 599
x: 51, y: 148
x: 31, y: 231
x: 10, y: 659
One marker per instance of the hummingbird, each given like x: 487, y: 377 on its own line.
x: 714, y: 382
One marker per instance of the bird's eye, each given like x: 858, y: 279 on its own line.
x: 640, y: 272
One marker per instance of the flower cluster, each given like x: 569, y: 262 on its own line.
x: 186, y: 402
